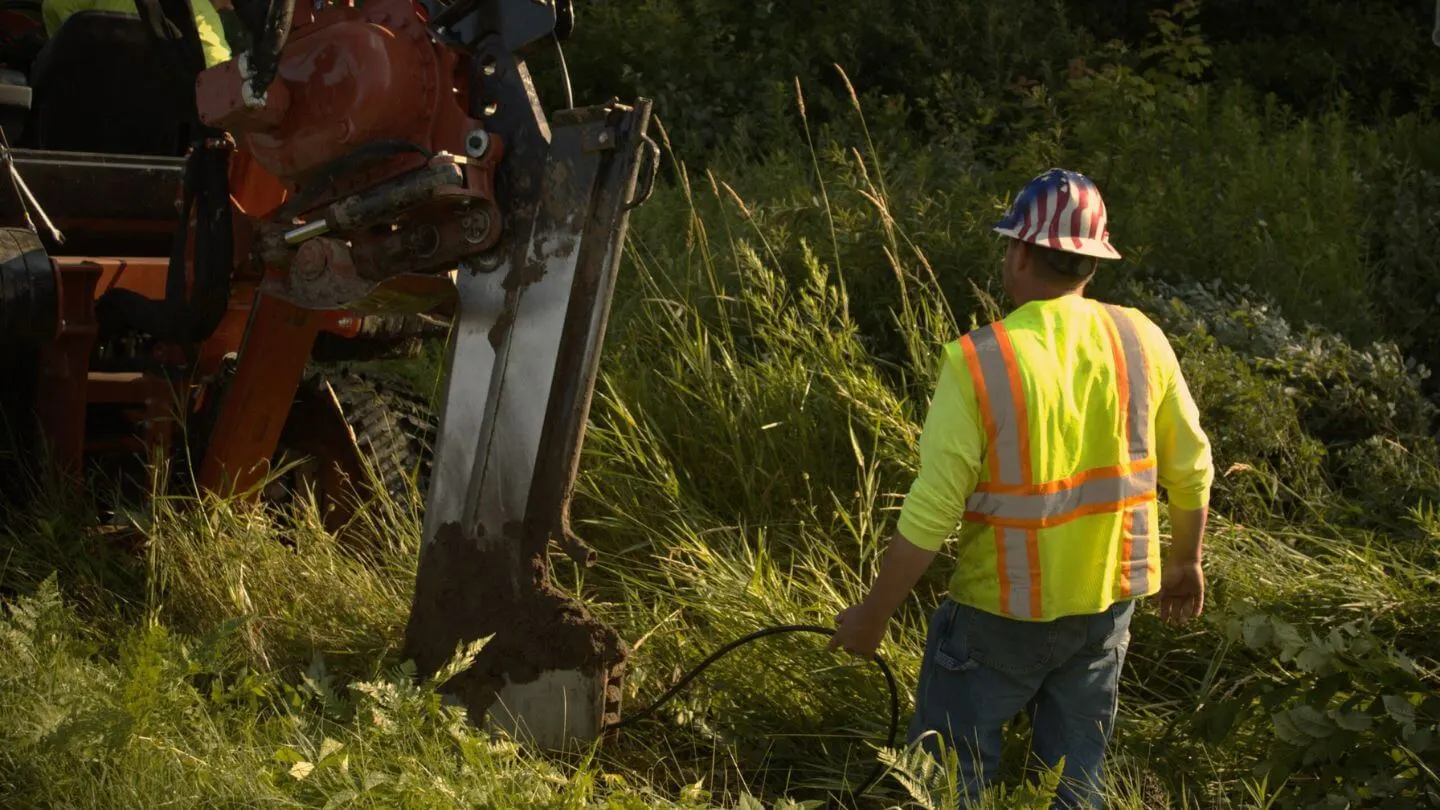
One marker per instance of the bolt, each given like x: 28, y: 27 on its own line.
x: 604, y: 137
x: 477, y: 143
x: 477, y: 227
x: 487, y: 262
x: 424, y: 241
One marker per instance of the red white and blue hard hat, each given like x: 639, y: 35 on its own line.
x: 1063, y: 210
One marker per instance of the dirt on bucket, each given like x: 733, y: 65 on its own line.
x: 473, y: 588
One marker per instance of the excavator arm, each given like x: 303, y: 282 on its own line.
x: 423, y: 172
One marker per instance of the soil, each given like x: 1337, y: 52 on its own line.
x: 469, y: 588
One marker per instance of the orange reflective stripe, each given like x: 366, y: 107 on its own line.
x: 1058, y: 520
x: 1127, y: 551
x: 993, y: 370
x: 1097, y: 491
x: 1133, y: 379
x: 1116, y: 471
x: 987, y: 413
x: 1030, y: 593
x: 991, y: 360
x: 1032, y: 553
x: 992, y: 459
x: 1002, y: 566
x: 1122, y: 379
x: 1138, y: 552
x: 1017, y: 561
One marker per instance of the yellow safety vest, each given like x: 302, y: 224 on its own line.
x: 1061, y: 527
x: 207, y: 21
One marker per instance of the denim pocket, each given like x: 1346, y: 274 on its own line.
x: 1010, y: 645
x: 1117, y: 635
x: 952, y: 649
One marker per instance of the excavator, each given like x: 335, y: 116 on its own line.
x: 185, y: 246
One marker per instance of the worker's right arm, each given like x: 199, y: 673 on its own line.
x: 952, y: 449
x: 951, y: 446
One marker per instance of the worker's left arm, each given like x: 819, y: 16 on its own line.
x: 1186, y: 471
x: 951, y: 445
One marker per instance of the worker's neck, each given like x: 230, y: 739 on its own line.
x: 1042, y: 292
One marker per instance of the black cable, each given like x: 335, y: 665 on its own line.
x: 879, y: 769
x: 270, y: 45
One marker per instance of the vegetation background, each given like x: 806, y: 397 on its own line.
x: 1273, y: 173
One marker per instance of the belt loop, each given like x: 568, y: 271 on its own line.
x: 950, y: 606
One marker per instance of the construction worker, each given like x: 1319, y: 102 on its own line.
x: 207, y: 21
x: 1046, y: 438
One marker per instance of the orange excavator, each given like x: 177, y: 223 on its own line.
x: 186, y: 251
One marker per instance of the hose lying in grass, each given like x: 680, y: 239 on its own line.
x: 879, y: 768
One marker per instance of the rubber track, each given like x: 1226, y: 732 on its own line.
x: 394, y: 427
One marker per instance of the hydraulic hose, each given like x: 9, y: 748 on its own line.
x: 270, y: 45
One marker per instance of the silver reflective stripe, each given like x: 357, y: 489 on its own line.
x: 1140, y: 549
x: 1017, y: 569
x: 1137, y: 420
x: 995, y: 374
x: 1051, y: 505
x: 1002, y: 403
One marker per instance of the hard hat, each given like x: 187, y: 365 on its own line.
x: 1062, y: 210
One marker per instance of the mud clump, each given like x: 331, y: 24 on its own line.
x: 469, y: 588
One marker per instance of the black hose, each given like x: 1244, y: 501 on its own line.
x: 186, y: 317
x: 214, y: 241
x: 875, y: 773
x: 252, y: 20
x: 271, y: 44
x: 237, y: 34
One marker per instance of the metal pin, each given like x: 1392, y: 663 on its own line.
x: 309, y: 230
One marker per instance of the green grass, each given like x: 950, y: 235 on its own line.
x: 753, y: 432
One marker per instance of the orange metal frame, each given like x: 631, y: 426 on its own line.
x: 272, y: 339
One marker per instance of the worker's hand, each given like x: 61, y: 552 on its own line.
x: 858, y: 630
x: 1182, y: 591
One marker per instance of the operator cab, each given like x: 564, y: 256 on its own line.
x: 99, y: 125
x: 101, y: 85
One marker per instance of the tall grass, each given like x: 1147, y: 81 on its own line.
x: 754, y: 428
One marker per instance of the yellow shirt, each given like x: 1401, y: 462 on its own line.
x: 1071, y: 399
x: 207, y: 21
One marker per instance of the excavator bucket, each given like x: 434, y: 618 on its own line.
x: 521, y: 365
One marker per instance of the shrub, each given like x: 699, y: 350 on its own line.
x: 1299, y: 409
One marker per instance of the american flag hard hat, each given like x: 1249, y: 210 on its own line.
x: 1062, y: 210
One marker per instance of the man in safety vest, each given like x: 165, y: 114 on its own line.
x: 1046, y: 439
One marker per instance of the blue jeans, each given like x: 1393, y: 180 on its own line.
x: 981, y: 670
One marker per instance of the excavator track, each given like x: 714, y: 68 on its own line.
x: 394, y: 426
x: 341, y: 420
